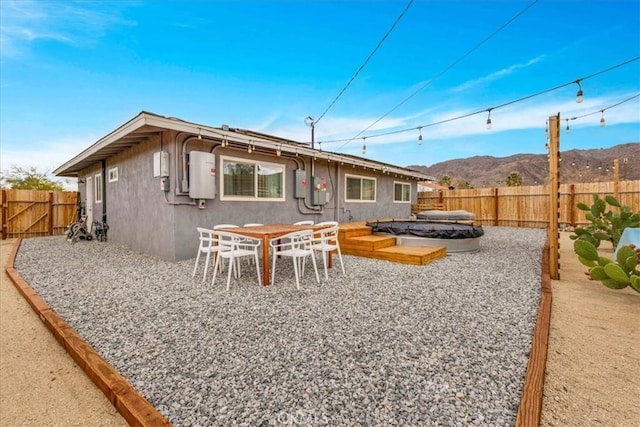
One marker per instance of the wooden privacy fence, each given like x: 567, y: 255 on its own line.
x: 529, y: 206
x: 32, y: 213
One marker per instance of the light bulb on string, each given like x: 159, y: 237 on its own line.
x: 364, y: 145
x: 568, y: 129
x: 602, y: 122
x: 579, y: 94
x: 489, y: 125
x: 420, y: 136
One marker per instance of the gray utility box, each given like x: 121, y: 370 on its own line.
x: 300, y: 184
x: 202, y: 175
x: 318, y: 191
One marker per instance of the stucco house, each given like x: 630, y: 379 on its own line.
x: 154, y: 179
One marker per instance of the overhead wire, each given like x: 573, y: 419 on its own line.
x: 602, y: 110
x: 484, y: 110
x: 373, y: 52
x: 447, y: 69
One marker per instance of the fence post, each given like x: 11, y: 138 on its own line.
x: 5, y: 212
x: 616, y: 179
x: 496, y: 207
x: 572, y: 205
x: 554, y: 193
x: 50, y: 213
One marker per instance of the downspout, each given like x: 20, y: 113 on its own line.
x: 104, y: 191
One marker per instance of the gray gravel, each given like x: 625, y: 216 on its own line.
x: 391, y: 344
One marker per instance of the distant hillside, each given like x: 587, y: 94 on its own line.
x: 575, y: 166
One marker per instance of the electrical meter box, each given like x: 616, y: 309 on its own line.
x: 202, y: 175
x: 318, y: 191
x: 299, y: 184
x: 160, y: 164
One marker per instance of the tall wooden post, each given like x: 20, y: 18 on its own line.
x: 554, y: 195
x: 5, y: 213
x: 616, y: 179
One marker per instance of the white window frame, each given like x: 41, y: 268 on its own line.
x: 97, y: 179
x: 404, y: 184
x: 255, y: 197
x: 361, y: 178
x: 113, y: 174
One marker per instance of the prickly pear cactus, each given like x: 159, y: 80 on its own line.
x: 605, y: 225
x: 614, y: 274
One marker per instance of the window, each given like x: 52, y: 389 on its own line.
x: 244, y: 179
x: 98, y: 188
x: 360, y: 189
x: 113, y: 174
x: 402, y: 192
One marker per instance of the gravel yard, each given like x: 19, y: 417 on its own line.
x: 390, y: 344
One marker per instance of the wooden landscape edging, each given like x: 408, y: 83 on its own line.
x: 133, y: 407
x: 530, y: 407
x: 137, y: 411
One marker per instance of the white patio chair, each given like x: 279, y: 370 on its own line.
x: 295, y: 245
x: 233, y: 247
x: 325, y: 240
x: 305, y: 222
x: 205, y: 246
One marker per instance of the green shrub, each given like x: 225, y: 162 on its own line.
x: 605, y: 225
x: 616, y: 274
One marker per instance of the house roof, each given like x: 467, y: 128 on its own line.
x: 146, y: 125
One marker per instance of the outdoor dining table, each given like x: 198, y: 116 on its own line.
x: 268, y: 232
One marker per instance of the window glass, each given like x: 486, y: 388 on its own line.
x: 401, y: 192
x: 113, y: 174
x: 360, y: 188
x: 245, y: 179
x: 98, y: 188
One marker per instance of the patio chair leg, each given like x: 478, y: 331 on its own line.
x: 295, y: 270
x: 195, y: 267
x: 258, y: 270
x: 315, y: 267
x: 231, y: 267
x: 206, y: 266
x: 324, y: 263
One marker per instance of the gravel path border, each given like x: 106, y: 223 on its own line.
x: 392, y: 344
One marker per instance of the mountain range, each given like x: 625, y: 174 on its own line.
x: 592, y: 165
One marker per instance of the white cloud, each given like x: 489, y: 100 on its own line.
x: 496, y: 75
x: 521, y: 116
x: 25, y: 22
x: 44, y: 156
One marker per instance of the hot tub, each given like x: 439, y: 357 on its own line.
x: 455, y: 236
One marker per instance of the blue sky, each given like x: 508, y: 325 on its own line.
x: 71, y: 72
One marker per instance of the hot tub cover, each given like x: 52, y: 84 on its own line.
x: 459, y: 215
x: 441, y: 230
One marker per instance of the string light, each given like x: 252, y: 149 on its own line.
x: 579, y: 95
x: 364, y: 145
x: 546, y: 127
x: 420, y: 136
x: 199, y: 135
x: 602, y: 123
x: 278, y: 151
x: 489, y: 125
x: 249, y: 147
x: 567, y: 130
x: 448, y: 68
x: 464, y: 116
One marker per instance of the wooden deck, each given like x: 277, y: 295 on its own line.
x: 358, y: 239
